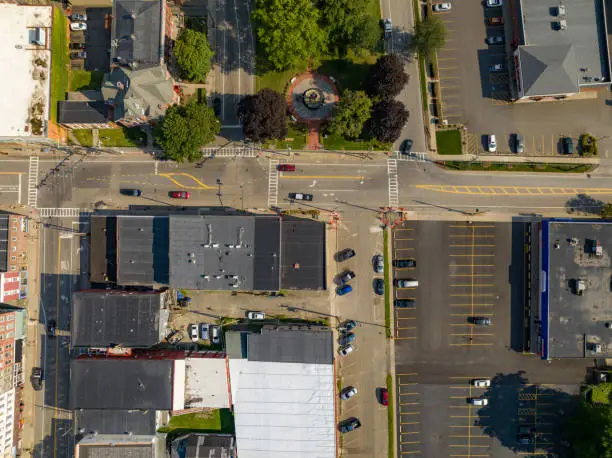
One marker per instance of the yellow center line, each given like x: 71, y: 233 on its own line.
x: 171, y: 176
x: 472, y: 345
x: 58, y: 323
x: 322, y: 177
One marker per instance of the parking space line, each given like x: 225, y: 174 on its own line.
x: 471, y: 344
x: 467, y: 314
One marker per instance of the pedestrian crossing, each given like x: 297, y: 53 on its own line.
x: 273, y: 183
x: 61, y: 212
x: 393, y: 183
x: 246, y: 151
x: 32, y: 182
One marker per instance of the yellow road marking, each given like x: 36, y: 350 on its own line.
x: 12, y: 173
x: 471, y: 345
x: 171, y: 176
x: 405, y: 338
x: 410, y: 374
x: 322, y: 177
x: 474, y: 335
x: 511, y: 191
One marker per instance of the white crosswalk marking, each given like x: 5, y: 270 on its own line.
x: 61, y: 212
x: 247, y: 151
x: 416, y: 157
x: 273, y: 184
x: 393, y: 183
x: 32, y: 182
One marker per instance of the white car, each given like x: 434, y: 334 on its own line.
x: 256, y: 315
x: 193, y: 332
x: 481, y: 383
x: 215, y: 334
x: 348, y: 393
x: 479, y: 401
x: 492, y: 144
x: 76, y: 26
x: 494, y: 3
x: 346, y: 350
x: 442, y: 7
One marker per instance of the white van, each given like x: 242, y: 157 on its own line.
x: 406, y: 283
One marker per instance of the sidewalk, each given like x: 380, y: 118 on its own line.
x: 435, y: 157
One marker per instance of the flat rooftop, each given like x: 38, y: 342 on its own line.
x: 291, y: 344
x: 206, y: 383
x: 25, y: 75
x: 585, y: 31
x: 303, y: 254
x: 108, y: 421
x: 574, y: 320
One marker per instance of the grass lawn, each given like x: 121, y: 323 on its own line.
x: 338, y: 142
x: 390, y: 418
x: 81, y: 80
x: 84, y: 136
x: 59, y: 61
x: 349, y: 72
x: 600, y: 394
x: 423, y: 81
x: 272, y: 79
x: 296, y: 139
x: 387, y: 286
x: 516, y: 167
x: 449, y: 141
x: 220, y: 420
x: 124, y: 136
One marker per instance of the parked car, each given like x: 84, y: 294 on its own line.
x: 348, y: 392
x: 346, y: 350
x: 379, y: 286
x: 481, y: 321
x: 204, y: 331
x: 342, y: 290
x: 478, y: 401
x: 345, y: 254
x: 286, y: 168
x: 346, y: 277
x: 217, y: 106
x: 491, y: 144
x: 518, y: 143
x: 256, y: 315
x: 348, y: 338
x: 405, y: 303
x: 379, y: 264
x: 406, y: 283
x: 441, y: 7
x: 567, y: 145
x: 350, y: 425
x: 193, y: 332
x: 526, y: 429
x: 384, y: 396
x: 494, y: 3
x: 348, y: 325
x: 524, y: 439
x: 300, y: 196
x: 180, y: 195
x: 51, y: 325
x: 131, y: 192
x: 497, y: 68
x: 496, y: 40
x: 404, y: 263
x: 78, y: 17
x: 496, y: 20
x: 406, y: 146
x: 388, y: 28
x: 36, y: 378
x: 215, y: 334
x: 78, y: 55
x: 77, y: 46
x: 77, y: 26
x: 481, y: 383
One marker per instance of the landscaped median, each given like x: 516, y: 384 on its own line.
x: 387, y: 285
x: 211, y: 421
x: 516, y: 167
x: 448, y: 141
x: 60, y: 61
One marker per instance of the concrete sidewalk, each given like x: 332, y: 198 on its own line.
x: 435, y: 157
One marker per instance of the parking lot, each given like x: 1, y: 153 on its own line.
x: 96, y: 38
x: 439, y: 351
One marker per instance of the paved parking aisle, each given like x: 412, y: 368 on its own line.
x: 408, y: 415
x: 404, y: 244
x: 471, y: 283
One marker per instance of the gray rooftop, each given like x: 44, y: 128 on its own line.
x: 571, y: 317
x: 4, y: 238
x: 142, y: 250
x: 225, y: 252
x: 107, y: 318
x: 96, y: 421
x: 291, y: 344
x: 121, y: 384
x: 548, y: 70
x: 116, y: 450
x: 585, y: 33
x: 204, y: 446
x: 303, y: 260
x: 137, y: 29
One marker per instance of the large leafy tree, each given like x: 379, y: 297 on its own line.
x: 185, y: 129
x: 589, y: 431
x: 429, y: 36
x: 193, y: 55
x: 350, y: 114
x: 288, y: 31
x: 263, y: 115
x: 349, y: 25
x: 388, y: 119
x: 387, y: 77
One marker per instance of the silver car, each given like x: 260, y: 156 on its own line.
x: 379, y: 263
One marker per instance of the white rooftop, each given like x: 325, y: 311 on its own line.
x: 283, y: 410
x: 206, y: 383
x: 25, y: 76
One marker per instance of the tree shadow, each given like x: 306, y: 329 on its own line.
x: 584, y: 204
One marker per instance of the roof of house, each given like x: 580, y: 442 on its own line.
x: 548, y: 69
x: 114, y: 446
x: 203, y: 446
x: 291, y: 344
x: 121, y: 384
x: 4, y: 241
x: 73, y: 112
x: 108, y: 421
x: 107, y: 318
x: 137, y: 30
x: 303, y: 254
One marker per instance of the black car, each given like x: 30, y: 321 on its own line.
x: 300, y: 196
x: 78, y: 55
x: 131, y: 192
x: 217, y: 106
x: 481, y: 321
x: 379, y: 286
x: 524, y: 439
x: 36, y: 378
x: 51, y: 324
x: 567, y: 145
x: 345, y: 254
x: 405, y: 303
x: 350, y: 425
x: 346, y: 277
x: 77, y: 45
x: 525, y: 430
x: 404, y: 263
x: 406, y: 146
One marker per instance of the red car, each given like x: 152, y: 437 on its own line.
x: 497, y: 20
x: 384, y: 396
x: 179, y: 194
x: 286, y: 168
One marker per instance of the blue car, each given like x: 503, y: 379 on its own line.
x: 348, y: 338
x: 342, y: 290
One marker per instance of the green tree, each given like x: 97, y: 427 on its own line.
x: 349, y: 25
x: 350, y: 114
x: 387, y: 77
x: 193, y: 55
x: 185, y: 129
x: 289, y: 32
x: 263, y: 115
x: 429, y: 36
x: 589, y: 430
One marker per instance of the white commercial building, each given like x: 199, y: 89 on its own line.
x: 25, y: 59
x: 7, y: 422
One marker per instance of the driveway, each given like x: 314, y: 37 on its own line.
x: 98, y: 39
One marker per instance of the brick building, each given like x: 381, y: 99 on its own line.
x: 13, y: 256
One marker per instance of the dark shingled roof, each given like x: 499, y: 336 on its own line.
x: 135, y: 422
x: 106, y: 318
x: 303, y: 254
x: 4, y: 237
x: 121, y: 384
x: 286, y: 344
x: 73, y: 112
x: 205, y: 445
x: 116, y: 450
x: 137, y: 31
